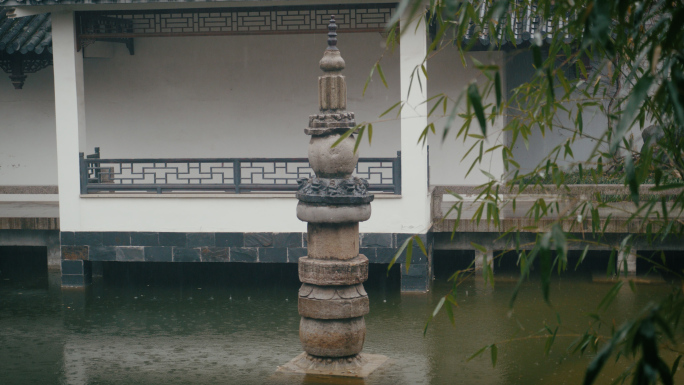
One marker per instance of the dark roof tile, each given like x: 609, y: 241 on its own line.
x: 25, y: 34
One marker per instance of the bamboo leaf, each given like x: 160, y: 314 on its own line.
x: 401, y: 9
x: 551, y: 95
x: 437, y: 103
x: 595, y: 366
x: 525, y: 264
x: 667, y: 187
x: 488, y: 175
x: 368, y: 80
x: 610, y: 296
x: 398, y: 253
x: 664, y: 371
x: 370, y: 133
x: 537, y: 57
x: 439, y: 306
x: 450, y: 313
x: 610, y: 270
x: 382, y: 75
x: 477, y: 353
x: 420, y: 82
x: 409, y: 254
x: 583, y: 69
x: 637, y: 96
x: 561, y: 242
x: 495, y: 353
x: 479, y: 247
x: 421, y: 245
x: 395, y: 105
x: 434, y: 314
x: 345, y: 136
x: 563, y: 81
x: 497, y: 87
x: 674, y: 97
x: 675, y: 365
x: 452, y: 117
x: 549, y: 342
x: 581, y: 258
x: 545, y: 265
x: 631, y: 179
x: 424, y: 134
x: 358, y: 139
x: 476, y: 102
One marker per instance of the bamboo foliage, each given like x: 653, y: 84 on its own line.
x: 619, y: 59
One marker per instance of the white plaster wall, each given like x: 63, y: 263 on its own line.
x: 533, y: 153
x: 447, y: 75
x: 216, y: 214
x: 229, y: 96
x: 243, y: 96
x: 28, y: 151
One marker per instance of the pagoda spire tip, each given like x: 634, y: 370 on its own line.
x: 332, y: 34
x: 332, y: 60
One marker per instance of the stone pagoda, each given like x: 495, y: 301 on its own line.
x: 332, y: 300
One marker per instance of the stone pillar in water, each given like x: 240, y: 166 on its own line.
x: 332, y: 300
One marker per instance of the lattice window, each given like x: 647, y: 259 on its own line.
x: 232, y: 21
x: 235, y: 174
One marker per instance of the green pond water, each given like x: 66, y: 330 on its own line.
x: 234, y: 324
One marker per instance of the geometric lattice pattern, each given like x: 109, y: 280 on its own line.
x: 233, y: 21
x: 230, y: 175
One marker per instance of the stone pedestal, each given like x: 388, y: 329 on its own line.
x: 332, y: 300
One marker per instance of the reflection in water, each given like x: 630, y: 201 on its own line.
x: 205, y: 331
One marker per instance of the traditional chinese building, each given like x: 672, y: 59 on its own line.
x: 172, y: 129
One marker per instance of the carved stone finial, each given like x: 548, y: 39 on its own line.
x: 332, y: 60
x: 332, y: 34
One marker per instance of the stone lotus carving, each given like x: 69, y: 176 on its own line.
x: 327, y: 120
x: 327, y: 124
x: 340, y: 191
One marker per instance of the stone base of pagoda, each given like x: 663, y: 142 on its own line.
x: 359, y: 366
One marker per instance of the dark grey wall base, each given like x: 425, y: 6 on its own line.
x: 76, y: 273
x: 93, y: 247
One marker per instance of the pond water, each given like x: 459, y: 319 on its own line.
x: 234, y: 324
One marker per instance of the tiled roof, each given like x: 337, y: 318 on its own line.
x: 25, y: 34
x: 524, y: 24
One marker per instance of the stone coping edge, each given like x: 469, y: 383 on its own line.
x: 223, y: 196
x: 29, y: 198
x: 572, y: 190
x: 23, y: 189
